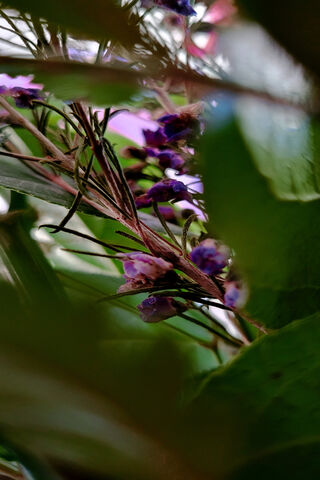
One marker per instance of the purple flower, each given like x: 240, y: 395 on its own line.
x: 155, y: 138
x: 169, y: 189
x: 154, y: 309
x: 209, y: 257
x: 233, y: 295
x: 141, y: 270
x: 23, y: 96
x: 3, y: 89
x: 182, y: 7
x: 179, y: 127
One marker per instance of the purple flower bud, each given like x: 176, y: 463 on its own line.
x: 209, y: 257
x: 178, y: 127
x: 23, y: 96
x: 143, y: 201
x: 133, y: 152
x: 169, y: 189
x: 233, y: 295
x: 155, y: 309
x: 155, y: 139
x: 169, y: 159
x: 139, y: 266
x: 141, y: 269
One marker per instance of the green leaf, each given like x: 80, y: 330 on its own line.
x: 76, y: 81
x: 297, y: 31
x: 263, y: 190
x: 100, y: 19
x: 18, y: 177
x: 265, y: 405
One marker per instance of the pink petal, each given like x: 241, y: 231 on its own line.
x: 20, y: 81
x: 220, y: 11
x: 200, y: 52
x: 130, y: 125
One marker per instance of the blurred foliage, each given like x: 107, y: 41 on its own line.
x: 84, y: 18
x: 89, y: 390
x: 74, y: 80
x: 263, y: 197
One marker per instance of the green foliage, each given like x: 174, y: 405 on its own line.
x: 98, y: 19
x: 75, y: 81
x: 18, y: 177
x: 263, y: 198
x: 67, y: 364
x: 271, y: 393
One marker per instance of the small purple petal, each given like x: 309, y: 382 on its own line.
x: 155, y: 309
x: 155, y: 139
x: 169, y: 159
x: 178, y: 127
x: 232, y: 295
x: 169, y: 189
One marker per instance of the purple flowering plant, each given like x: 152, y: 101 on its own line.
x: 184, y: 206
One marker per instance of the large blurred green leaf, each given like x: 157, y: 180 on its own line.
x: 75, y: 81
x: 98, y: 19
x: 82, y: 387
x: 294, y: 24
x: 263, y: 196
x: 265, y: 407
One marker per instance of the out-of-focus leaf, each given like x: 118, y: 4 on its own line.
x: 98, y: 285
x: 267, y: 67
x: 73, y: 392
x: 263, y: 195
x: 294, y: 25
x: 100, y: 19
x: 265, y: 406
x: 75, y: 81
x: 24, y: 259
